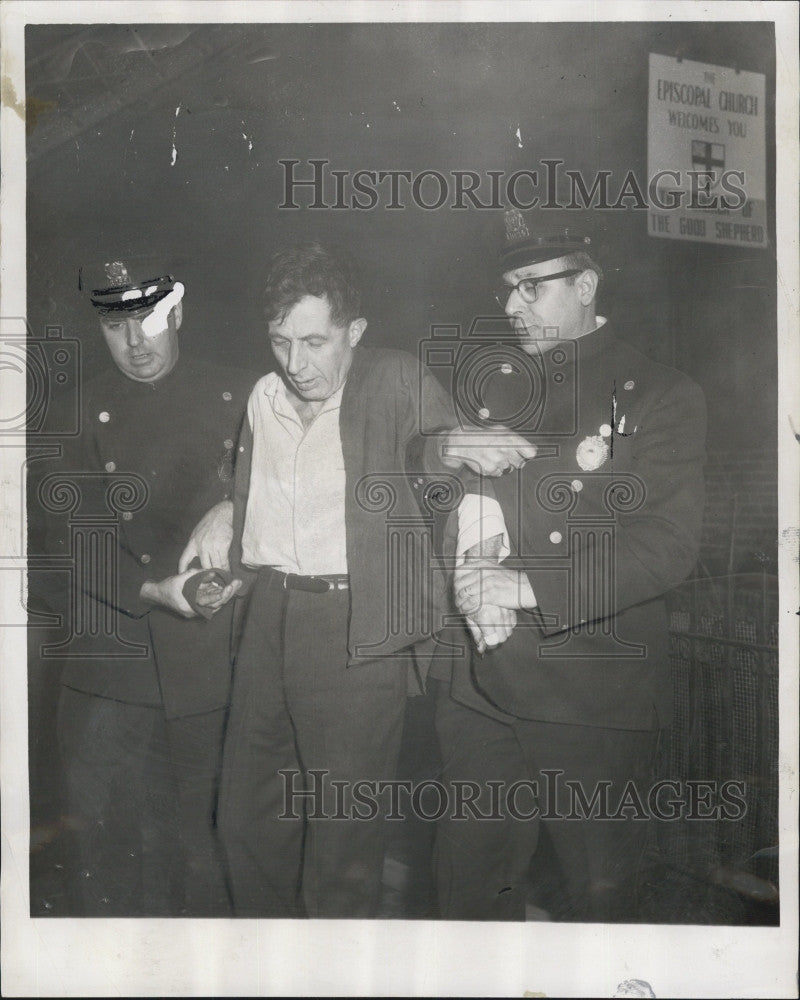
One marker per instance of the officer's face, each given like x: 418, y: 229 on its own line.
x: 314, y: 353
x: 141, y: 357
x: 563, y: 309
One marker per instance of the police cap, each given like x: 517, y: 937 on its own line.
x: 128, y: 285
x: 544, y: 234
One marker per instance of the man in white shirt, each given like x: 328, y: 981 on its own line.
x: 344, y: 596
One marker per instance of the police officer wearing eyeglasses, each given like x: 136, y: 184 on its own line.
x: 559, y: 723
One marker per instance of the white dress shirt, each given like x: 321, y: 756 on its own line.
x: 295, y: 507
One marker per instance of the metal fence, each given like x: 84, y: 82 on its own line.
x: 724, y: 657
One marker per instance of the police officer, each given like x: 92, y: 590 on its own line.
x: 562, y: 718
x: 144, y: 691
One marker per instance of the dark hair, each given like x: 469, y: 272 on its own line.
x: 582, y: 260
x: 312, y: 268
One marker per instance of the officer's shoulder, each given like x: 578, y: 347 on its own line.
x: 108, y: 377
x: 231, y: 384
x: 102, y: 387
x: 638, y: 373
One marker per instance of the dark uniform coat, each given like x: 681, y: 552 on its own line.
x: 155, y: 456
x: 604, y: 520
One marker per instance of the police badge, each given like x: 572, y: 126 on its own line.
x: 592, y: 452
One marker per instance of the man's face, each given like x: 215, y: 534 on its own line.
x: 138, y: 356
x: 314, y: 353
x: 562, y: 311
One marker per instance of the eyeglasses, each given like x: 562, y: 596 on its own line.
x: 528, y: 288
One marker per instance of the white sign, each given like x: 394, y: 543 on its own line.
x: 706, y: 153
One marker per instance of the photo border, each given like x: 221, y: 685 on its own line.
x: 174, y: 957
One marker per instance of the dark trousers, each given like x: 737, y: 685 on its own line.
x: 302, y: 720
x: 482, y: 862
x: 140, y: 793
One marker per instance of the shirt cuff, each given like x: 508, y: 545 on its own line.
x: 480, y: 518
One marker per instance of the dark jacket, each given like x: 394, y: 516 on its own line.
x: 398, y: 591
x: 151, y: 459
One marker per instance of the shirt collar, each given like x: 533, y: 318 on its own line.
x: 276, y: 392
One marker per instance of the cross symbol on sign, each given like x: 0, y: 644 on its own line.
x: 708, y: 156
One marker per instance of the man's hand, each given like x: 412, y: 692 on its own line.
x: 212, y: 594
x: 478, y: 586
x: 491, y: 626
x: 211, y: 539
x: 489, y: 451
x: 168, y: 593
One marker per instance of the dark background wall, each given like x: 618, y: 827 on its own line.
x: 107, y: 105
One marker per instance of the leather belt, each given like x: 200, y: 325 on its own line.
x: 314, y: 584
